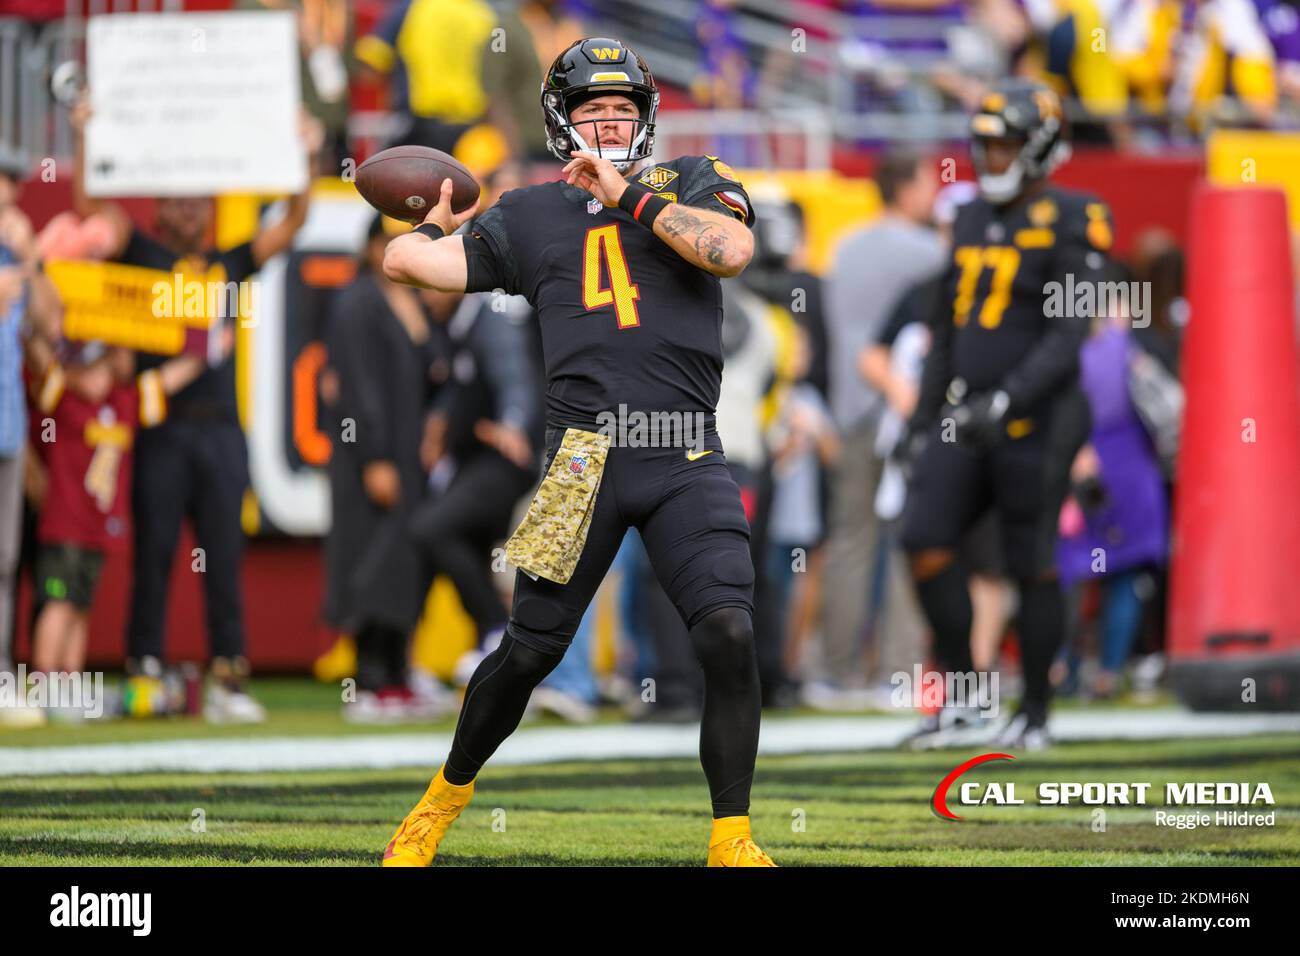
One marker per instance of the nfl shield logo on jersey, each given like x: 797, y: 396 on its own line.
x: 594, y: 205
x: 577, y: 463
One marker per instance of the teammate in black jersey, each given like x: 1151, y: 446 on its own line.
x: 1000, y: 405
x: 621, y: 261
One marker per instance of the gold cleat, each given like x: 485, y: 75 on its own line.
x: 731, y: 844
x: 416, y: 841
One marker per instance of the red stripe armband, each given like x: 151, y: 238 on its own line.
x: 642, y: 204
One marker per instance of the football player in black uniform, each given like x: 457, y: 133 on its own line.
x: 1000, y: 407
x: 621, y: 260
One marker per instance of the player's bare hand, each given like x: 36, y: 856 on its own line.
x: 383, y: 483
x: 596, y: 175
x: 512, y: 443
x: 442, y: 216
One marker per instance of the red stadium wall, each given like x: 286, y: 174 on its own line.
x: 283, y: 578
x: 282, y: 595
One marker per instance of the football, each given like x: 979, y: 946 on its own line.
x: 404, y: 182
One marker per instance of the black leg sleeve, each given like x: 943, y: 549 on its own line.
x: 494, y: 704
x: 945, y: 599
x: 724, y: 644
x: 1041, y: 626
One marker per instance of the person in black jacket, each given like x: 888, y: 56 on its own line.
x: 481, y: 445
x: 382, y: 350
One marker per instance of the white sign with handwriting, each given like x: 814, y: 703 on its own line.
x: 193, y: 104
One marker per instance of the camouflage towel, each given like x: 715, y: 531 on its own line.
x: 549, y: 541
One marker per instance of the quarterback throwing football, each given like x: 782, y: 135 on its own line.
x: 621, y: 260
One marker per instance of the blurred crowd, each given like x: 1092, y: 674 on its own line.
x: 1134, y: 72
x: 1128, y: 68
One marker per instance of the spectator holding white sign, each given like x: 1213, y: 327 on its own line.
x: 195, y: 464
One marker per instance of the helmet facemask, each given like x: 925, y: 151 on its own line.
x: 564, y: 136
x: 1040, y: 153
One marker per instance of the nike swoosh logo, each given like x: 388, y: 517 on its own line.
x: 697, y: 455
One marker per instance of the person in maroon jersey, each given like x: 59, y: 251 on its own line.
x: 85, y: 413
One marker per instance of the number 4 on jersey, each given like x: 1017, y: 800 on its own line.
x: 602, y: 242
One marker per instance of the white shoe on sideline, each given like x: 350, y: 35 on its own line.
x: 225, y: 706
x: 433, y: 698
x: 562, y: 705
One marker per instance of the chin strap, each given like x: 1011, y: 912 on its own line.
x: 625, y: 161
x: 1003, y: 187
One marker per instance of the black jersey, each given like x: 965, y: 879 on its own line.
x: 211, y: 396
x: 1007, y: 316
x: 624, y: 319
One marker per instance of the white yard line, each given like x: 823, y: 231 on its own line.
x: 548, y: 745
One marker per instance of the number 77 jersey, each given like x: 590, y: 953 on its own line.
x: 1018, y: 269
x: 624, y: 319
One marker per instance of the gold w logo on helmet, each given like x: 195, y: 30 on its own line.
x: 606, y: 52
x: 1049, y: 105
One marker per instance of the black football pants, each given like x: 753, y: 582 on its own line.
x: 197, y: 470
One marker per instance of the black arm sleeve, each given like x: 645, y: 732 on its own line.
x: 937, y: 371
x: 489, y: 262
x: 1055, y: 357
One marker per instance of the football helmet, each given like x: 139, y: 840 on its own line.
x: 598, y: 66
x: 1025, y: 111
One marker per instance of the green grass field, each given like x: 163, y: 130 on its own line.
x: 868, y: 808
